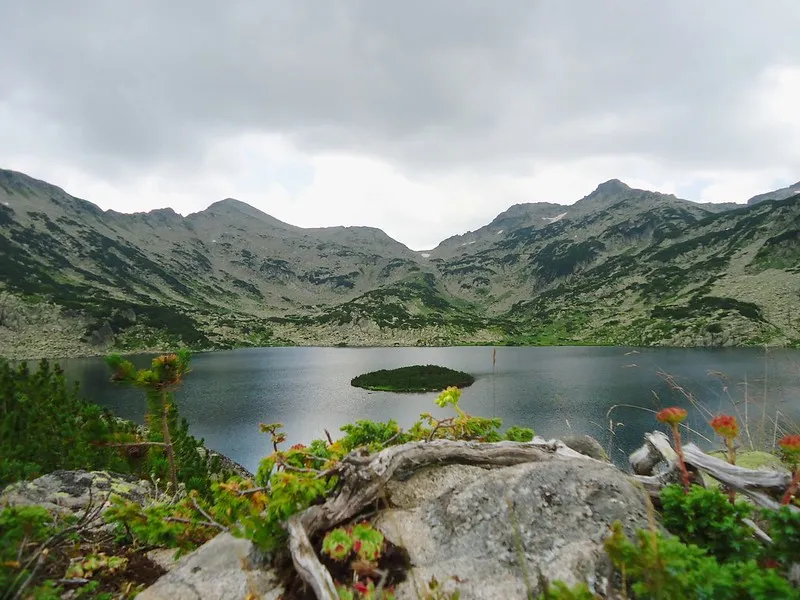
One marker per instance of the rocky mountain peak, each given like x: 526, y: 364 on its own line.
x: 236, y: 209
x: 612, y: 186
x: 780, y: 194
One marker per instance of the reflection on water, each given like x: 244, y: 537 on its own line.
x: 554, y: 390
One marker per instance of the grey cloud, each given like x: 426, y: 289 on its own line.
x: 427, y: 84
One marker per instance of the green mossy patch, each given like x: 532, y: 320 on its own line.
x: 416, y: 378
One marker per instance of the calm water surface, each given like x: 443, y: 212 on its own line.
x: 554, y: 390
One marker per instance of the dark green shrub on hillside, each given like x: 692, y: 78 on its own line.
x: 45, y: 425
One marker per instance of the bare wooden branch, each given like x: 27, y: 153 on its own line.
x: 655, y: 450
x: 134, y: 444
x: 252, y: 491
x: 644, y: 460
x: 735, y: 476
x: 760, y: 533
x: 206, y: 515
x: 756, y: 485
x: 306, y: 562
x: 190, y: 522
x: 659, y: 441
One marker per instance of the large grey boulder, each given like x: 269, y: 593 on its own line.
x: 490, y: 532
x: 221, y: 569
x: 74, y: 491
x: 487, y: 532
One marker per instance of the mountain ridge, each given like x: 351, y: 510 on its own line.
x: 780, y: 194
x: 610, y: 188
x: 619, y: 266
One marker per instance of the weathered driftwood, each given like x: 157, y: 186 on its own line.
x: 644, y: 460
x: 306, y: 562
x: 655, y: 465
x: 756, y: 485
x: 363, y: 479
x: 750, y: 482
x: 655, y: 450
x: 773, y: 481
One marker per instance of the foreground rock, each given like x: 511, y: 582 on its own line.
x: 218, y: 570
x: 490, y: 533
x: 75, y: 491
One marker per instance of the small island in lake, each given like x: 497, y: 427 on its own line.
x: 416, y: 378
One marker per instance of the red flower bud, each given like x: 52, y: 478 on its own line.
x: 360, y: 587
x: 790, y: 445
x: 726, y: 426
x: 671, y: 416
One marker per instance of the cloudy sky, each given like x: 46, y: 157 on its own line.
x: 425, y: 118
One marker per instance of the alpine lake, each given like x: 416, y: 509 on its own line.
x: 610, y: 393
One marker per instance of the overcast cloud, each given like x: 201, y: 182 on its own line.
x: 423, y: 118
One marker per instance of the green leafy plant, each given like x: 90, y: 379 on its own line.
x: 337, y: 544
x: 362, y: 539
x: 172, y: 453
x: 784, y: 529
x: 165, y: 373
x: 165, y: 525
x: 20, y: 527
x: 368, y: 591
x: 561, y: 591
x: 519, y: 434
x: 463, y: 426
x: 706, y: 518
x: 367, y: 542
x: 436, y: 591
x: 372, y: 435
x: 664, y: 568
x: 87, y: 566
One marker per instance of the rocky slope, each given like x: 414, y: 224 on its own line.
x: 780, y: 194
x: 618, y: 266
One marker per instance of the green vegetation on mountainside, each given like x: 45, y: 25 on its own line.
x: 621, y: 266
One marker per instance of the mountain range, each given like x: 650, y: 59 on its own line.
x: 620, y: 266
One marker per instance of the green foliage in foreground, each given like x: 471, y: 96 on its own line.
x: 706, y: 518
x: 664, y: 568
x: 416, y: 378
x: 45, y: 426
x: 18, y: 526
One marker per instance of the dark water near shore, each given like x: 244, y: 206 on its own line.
x: 555, y: 390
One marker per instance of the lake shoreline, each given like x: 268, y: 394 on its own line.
x: 84, y: 353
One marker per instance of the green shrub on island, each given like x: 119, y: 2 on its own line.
x: 416, y: 378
